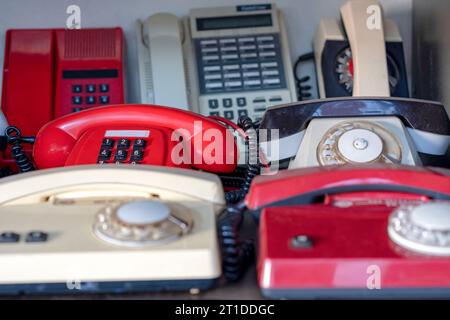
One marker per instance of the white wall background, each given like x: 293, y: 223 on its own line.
x: 302, y: 17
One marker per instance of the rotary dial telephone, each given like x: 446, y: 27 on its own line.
x: 323, y: 230
x: 110, y: 229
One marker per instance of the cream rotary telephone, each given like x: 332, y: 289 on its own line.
x: 109, y: 229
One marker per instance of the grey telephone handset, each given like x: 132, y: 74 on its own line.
x: 161, y: 63
x: 363, y: 56
x: 236, y: 61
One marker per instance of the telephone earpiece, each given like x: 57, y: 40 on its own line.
x: 137, y: 134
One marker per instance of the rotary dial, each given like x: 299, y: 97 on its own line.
x: 358, y: 142
x: 423, y: 228
x: 141, y: 223
x: 344, y: 70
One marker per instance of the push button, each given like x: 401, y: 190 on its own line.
x: 104, y: 99
x: 90, y: 88
x: 90, y: 100
x: 227, y: 103
x: 123, y: 143
x: 137, y: 155
x: 140, y: 143
x: 77, y: 88
x: 77, y: 109
x: 36, y: 236
x: 77, y: 100
x: 108, y: 142
x: 214, y: 113
x: 9, y: 237
x: 105, y: 154
x: 242, y: 113
x: 229, y: 115
x: 213, y: 103
x: 121, y: 155
x: 241, y: 102
x: 104, y: 88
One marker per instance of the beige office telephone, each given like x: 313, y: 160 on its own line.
x: 227, y: 61
x: 363, y: 56
x: 109, y: 229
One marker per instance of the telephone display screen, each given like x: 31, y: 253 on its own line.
x: 233, y: 22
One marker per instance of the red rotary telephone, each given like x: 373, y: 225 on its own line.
x: 137, y: 134
x: 330, y: 232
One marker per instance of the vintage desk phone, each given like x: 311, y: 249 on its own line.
x: 358, y: 130
x: 111, y: 229
x: 357, y: 58
x: 362, y: 231
x: 229, y: 61
x: 136, y: 134
x: 61, y: 71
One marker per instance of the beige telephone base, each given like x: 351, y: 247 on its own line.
x: 113, y: 229
x: 311, y: 146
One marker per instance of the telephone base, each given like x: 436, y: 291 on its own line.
x: 353, y: 293
x: 111, y: 287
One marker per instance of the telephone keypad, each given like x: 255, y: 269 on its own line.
x: 132, y: 149
x: 87, y: 96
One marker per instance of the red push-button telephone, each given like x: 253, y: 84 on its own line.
x: 136, y: 134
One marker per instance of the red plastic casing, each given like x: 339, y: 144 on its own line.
x: 34, y: 90
x: 348, y: 229
x: 76, y: 138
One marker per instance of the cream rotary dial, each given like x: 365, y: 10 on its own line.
x: 358, y: 142
x: 142, y: 223
x: 423, y: 228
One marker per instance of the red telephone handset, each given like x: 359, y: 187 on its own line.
x: 302, y: 186
x: 140, y: 134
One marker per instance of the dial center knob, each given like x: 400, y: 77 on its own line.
x: 360, y: 145
x: 432, y: 216
x: 143, y: 212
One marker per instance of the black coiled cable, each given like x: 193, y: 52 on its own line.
x: 237, y: 255
x: 15, y: 139
x: 253, y: 163
x: 303, y: 91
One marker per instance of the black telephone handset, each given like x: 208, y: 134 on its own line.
x: 423, y: 127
